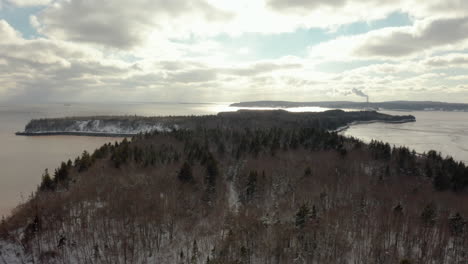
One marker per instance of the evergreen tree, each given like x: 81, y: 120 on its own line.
x: 85, y: 161
x: 212, y: 172
x: 244, y: 255
x: 429, y: 214
x: 61, y: 174
x: 195, y: 253
x: 302, y: 216
x: 456, y: 224
x: 314, y: 214
x: 441, y: 182
x: 251, y: 185
x: 398, y: 209
x: 185, y: 173
x: 47, y: 183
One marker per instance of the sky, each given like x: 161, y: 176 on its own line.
x: 230, y: 51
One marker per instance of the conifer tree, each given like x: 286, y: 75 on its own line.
x: 185, y: 173
x: 47, y: 183
x: 212, y: 172
x: 85, y: 161
x: 429, y: 214
x: 456, y: 224
x: 441, y: 182
x: 314, y: 213
x: 302, y: 216
x: 61, y: 174
x: 195, y: 253
x: 398, y: 209
x: 251, y: 185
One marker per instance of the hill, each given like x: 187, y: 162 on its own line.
x: 391, y: 105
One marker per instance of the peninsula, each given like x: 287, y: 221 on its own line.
x: 391, y: 105
x: 122, y: 126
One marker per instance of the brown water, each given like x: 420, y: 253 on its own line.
x: 23, y: 159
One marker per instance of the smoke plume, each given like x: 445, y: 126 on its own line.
x: 360, y: 93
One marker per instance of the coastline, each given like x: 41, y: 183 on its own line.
x: 338, y: 120
x: 106, y: 134
x: 75, y: 133
x: 344, y: 128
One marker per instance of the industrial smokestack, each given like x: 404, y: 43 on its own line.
x: 361, y: 94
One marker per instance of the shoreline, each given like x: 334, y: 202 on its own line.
x: 75, y: 133
x: 344, y: 128
x: 107, y: 134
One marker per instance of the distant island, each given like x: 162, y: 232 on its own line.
x: 123, y: 126
x: 390, y: 105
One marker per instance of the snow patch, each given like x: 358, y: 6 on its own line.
x: 233, y: 195
x: 106, y: 127
x: 11, y: 253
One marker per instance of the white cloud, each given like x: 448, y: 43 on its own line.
x: 126, y: 24
x: 449, y: 60
x: 370, y: 8
x: 26, y: 3
x: 135, y: 50
x: 48, y: 69
x: 7, y: 33
x: 396, y: 42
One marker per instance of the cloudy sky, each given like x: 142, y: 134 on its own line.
x: 224, y: 50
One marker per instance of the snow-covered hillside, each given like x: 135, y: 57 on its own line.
x: 95, y: 126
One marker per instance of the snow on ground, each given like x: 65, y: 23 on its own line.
x: 233, y: 195
x: 108, y: 127
x: 12, y: 254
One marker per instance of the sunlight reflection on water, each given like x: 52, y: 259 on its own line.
x: 225, y: 107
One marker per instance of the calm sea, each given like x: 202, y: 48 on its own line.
x: 446, y: 132
x: 23, y: 159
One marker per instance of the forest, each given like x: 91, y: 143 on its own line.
x: 245, y: 190
x: 133, y: 125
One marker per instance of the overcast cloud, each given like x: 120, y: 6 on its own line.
x: 233, y: 50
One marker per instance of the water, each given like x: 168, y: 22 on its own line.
x: 446, y: 132
x: 23, y: 159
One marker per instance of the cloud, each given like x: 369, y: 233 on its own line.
x: 26, y: 3
x: 125, y: 24
x: 450, y: 60
x: 414, y: 7
x: 7, y: 33
x: 122, y: 50
x: 304, y: 6
x: 260, y: 68
x: 192, y: 72
x: 193, y: 76
x: 54, y: 70
x: 395, y: 42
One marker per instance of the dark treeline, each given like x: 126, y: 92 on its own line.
x: 233, y: 194
x: 329, y: 120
